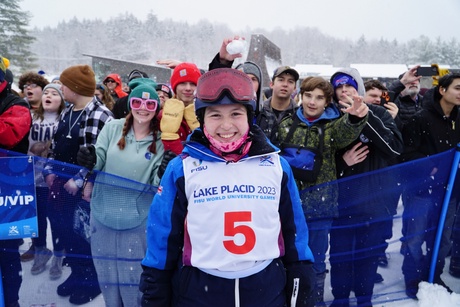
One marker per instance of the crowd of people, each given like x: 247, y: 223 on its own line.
x: 211, y: 146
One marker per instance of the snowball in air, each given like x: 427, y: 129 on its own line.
x: 235, y: 46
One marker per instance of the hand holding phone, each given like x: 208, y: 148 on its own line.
x: 387, y: 97
x: 427, y: 71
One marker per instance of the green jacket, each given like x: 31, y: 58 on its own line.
x: 339, y: 131
x: 123, y: 190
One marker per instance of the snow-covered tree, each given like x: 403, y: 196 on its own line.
x: 15, y: 40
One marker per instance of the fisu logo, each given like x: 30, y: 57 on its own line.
x: 199, y: 169
x: 197, y: 163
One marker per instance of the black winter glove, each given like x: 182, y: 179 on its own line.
x: 300, y: 282
x: 155, y: 286
x: 86, y: 157
x: 168, y: 156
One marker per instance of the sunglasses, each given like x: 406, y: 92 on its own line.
x: 110, y: 81
x: 31, y: 85
x: 214, y: 83
x: 149, y: 104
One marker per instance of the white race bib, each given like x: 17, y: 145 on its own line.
x: 233, y: 218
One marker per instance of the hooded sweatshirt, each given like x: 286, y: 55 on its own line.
x: 118, y: 89
x: 384, y: 142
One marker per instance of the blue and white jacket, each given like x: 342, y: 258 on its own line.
x: 230, y: 220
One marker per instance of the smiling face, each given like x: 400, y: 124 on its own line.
x: 111, y: 84
x: 226, y: 123
x: 185, y: 92
x: 143, y: 115
x: 51, y: 100
x: 313, y: 103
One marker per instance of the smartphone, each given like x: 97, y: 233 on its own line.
x: 427, y: 71
x: 388, y: 96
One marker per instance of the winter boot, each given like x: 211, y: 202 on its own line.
x: 87, y: 289
x: 83, y: 295
x: 411, y: 287
x: 378, y: 278
x: 56, y: 267
x: 29, y: 254
x: 69, y: 285
x: 42, y: 256
x: 454, y: 267
x: 319, y: 290
x: 382, y: 261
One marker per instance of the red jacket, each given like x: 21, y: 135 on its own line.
x: 15, y: 122
x: 119, y: 89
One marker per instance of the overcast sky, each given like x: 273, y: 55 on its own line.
x: 390, y: 19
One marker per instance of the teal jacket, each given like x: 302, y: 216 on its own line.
x: 123, y: 203
x: 339, y: 131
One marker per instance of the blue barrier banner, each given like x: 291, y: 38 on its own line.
x: 391, y: 214
x: 18, y: 208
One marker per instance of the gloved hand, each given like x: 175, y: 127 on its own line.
x: 190, y: 117
x: 173, y: 113
x: 168, y: 156
x: 86, y: 156
x: 301, y: 277
x: 156, y: 287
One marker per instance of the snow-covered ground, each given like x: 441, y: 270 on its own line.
x: 40, y: 290
x: 390, y: 293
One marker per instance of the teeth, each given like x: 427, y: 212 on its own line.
x: 226, y: 136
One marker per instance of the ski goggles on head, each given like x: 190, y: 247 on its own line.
x: 149, y: 104
x: 214, y: 83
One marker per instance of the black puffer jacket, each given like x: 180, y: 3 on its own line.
x: 428, y: 133
x: 385, y: 144
x: 407, y: 106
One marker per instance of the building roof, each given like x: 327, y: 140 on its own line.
x: 367, y: 71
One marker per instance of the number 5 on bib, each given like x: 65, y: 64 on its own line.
x: 231, y: 229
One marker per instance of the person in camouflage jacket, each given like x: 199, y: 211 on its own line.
x: 319, y: 199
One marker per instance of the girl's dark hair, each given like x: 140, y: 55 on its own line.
x: 446, y: 80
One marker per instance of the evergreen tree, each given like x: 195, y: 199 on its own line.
x: 15, y: 40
